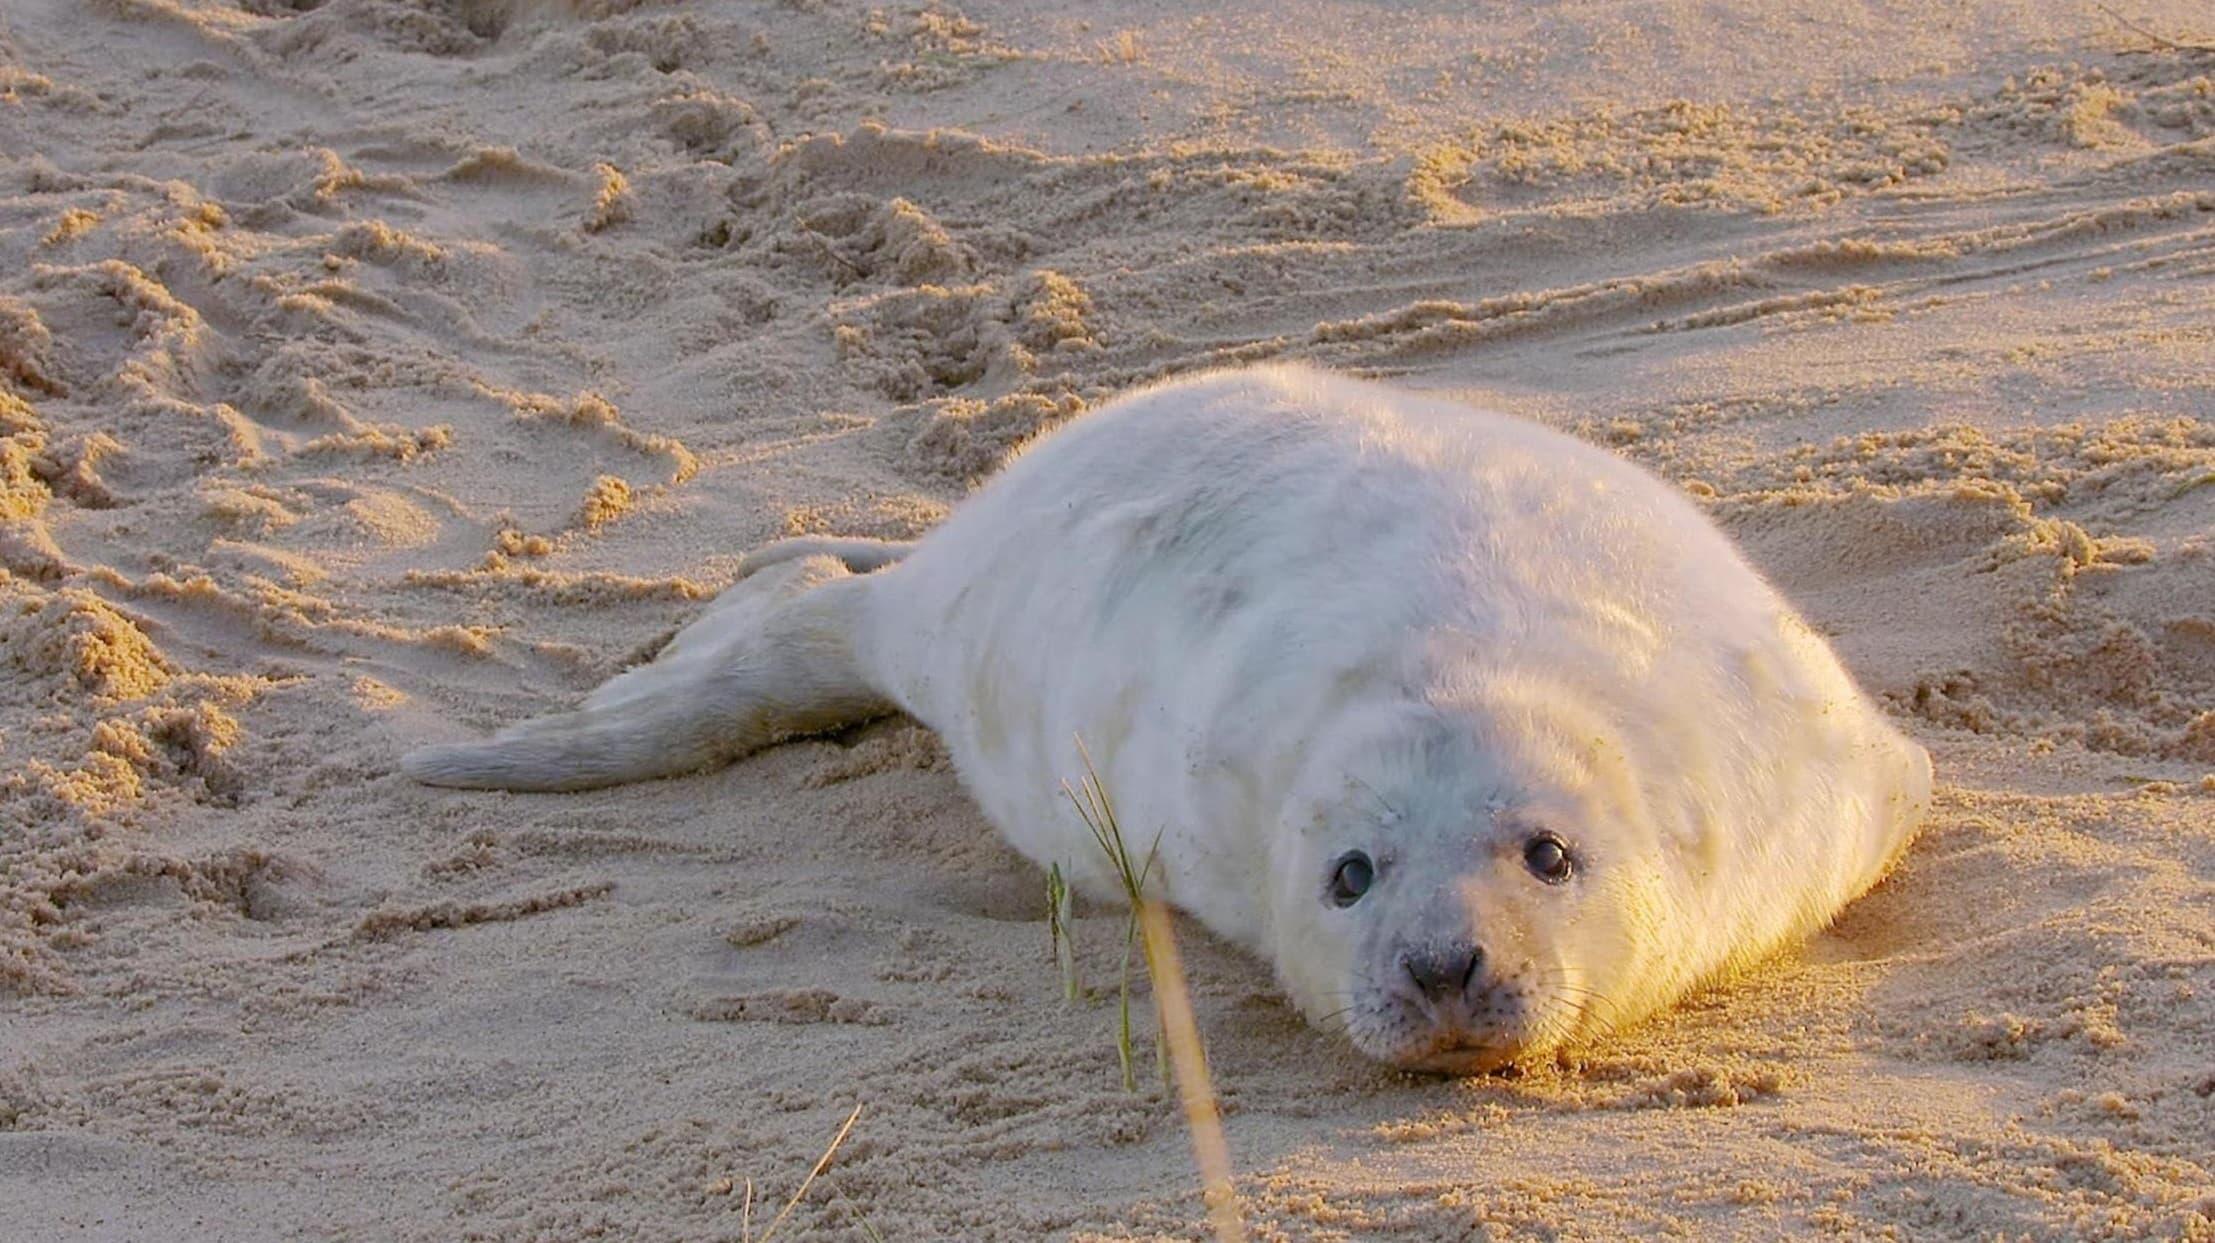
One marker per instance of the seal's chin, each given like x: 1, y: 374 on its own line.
x: 1460, y: 1056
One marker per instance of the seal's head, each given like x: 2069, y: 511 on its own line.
x: 1517, y: 860
x: 1456, y: 900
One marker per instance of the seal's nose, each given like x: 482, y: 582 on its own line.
x: 1443, y: 972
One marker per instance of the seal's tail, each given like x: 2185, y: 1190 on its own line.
x: 772, y: 658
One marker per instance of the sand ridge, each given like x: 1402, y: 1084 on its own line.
x: 373, y: 370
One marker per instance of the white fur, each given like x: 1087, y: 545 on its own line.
x: 1293, y: 615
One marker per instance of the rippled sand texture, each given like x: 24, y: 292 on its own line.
x: 376, y: 370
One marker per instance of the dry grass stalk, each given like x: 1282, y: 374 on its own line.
x: 2159, y: 40
x: 1178, y: 1044
x: 822, y: 1163
x: 1181, y: 1031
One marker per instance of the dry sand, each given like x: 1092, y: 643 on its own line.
x: 375, y: 370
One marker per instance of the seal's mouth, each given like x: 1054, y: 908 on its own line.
x: 1485, y: 1030
x: 1423, y: 1044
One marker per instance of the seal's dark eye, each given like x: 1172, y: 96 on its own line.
x: 1547, y: 856
x: 1351, y: 878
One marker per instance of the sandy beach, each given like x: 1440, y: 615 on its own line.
x: 375, y: 372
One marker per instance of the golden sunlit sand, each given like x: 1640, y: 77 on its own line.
x: 373, y: 366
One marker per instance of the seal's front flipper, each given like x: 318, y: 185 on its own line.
x: 772, y: 658
x: 860, y: 555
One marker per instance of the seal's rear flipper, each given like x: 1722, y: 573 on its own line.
x: 772, y: 658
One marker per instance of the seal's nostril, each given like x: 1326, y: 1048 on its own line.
x: 1443, y: 971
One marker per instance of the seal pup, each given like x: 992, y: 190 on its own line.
x: 1489, y: 741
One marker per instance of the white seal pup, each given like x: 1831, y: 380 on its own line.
x: 1488, y: 740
